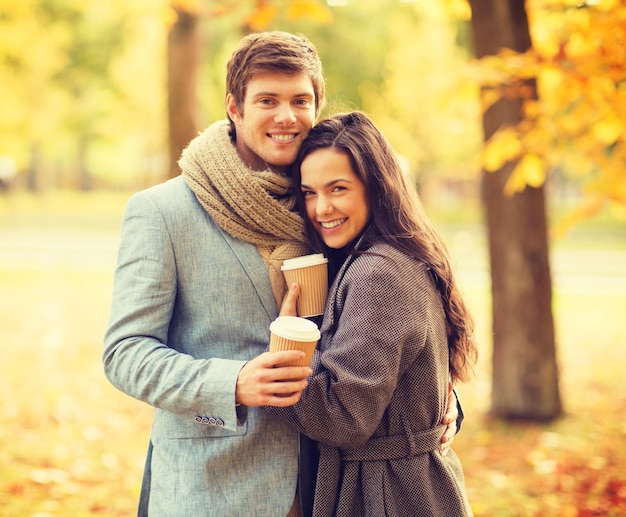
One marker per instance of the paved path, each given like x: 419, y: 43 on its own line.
x: 596, y: 271
x: 57, y: 250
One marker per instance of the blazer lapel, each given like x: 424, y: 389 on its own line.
x: 255, y: 268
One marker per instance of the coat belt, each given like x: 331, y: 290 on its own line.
x: 396, y: 446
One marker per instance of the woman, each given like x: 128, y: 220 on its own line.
x: 394, y: 332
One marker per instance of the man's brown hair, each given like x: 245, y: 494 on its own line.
x: 278, y: 52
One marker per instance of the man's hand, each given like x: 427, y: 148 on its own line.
x: 266, y: 381
x: 452, y: 413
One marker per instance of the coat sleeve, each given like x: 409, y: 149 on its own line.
x: 137, y: 359
x: 379, y: 328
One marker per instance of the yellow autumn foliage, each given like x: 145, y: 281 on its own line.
x: 529, y: 171
x: 189, y: 6
x: 262, y: 17
x: 310, y: 10
x: 295, y: 10
x: 578, y: 122
x: 503, y: 147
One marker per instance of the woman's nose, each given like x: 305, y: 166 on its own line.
x: 324, y: 206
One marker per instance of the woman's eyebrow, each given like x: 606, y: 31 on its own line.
x: 329, y: 184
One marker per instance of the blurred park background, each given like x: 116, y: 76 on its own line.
x: 97, y: 99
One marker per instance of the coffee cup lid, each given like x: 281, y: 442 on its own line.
x: 297, y: 329
x: 305, y: 261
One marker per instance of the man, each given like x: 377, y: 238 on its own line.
x: 197, y: 284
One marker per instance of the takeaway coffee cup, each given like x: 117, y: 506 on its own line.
x: 293, y: 333
x: 311, y: 272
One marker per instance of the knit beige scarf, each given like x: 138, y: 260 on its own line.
x: 256, y: 207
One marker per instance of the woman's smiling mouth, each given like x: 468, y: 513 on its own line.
x: 328, y: 225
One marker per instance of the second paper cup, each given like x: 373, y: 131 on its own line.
x: 293, y: 333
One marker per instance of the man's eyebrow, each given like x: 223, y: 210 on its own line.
x: 265, y: 94
x: 275, y: 94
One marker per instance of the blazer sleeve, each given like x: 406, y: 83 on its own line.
x: 137, y: 359
x: 357, y: 374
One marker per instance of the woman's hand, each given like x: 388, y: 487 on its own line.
x: 288, y: 307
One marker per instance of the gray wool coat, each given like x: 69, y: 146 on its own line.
x: 378, y: 394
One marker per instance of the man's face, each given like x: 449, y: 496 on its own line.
x: 278, y: 112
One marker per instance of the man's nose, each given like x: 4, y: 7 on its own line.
x: 285, y: 114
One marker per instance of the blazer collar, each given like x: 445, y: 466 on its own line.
x: 255, y: 268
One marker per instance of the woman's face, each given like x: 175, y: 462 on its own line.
x: 335, y: 198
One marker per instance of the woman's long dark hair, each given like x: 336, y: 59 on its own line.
x: 398, y: 217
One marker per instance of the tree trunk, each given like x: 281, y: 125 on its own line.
x: 85, y: 181
x: 33, y: 173
x: 182, y: 64
x: 525, y: 375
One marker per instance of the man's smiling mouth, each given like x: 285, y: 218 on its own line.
x: 283, y: 138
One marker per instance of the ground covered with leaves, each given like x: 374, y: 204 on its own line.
x: 71, y: 445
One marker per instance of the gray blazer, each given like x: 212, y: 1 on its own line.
x: 190, y: 305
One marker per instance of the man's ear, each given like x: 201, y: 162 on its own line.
x: 231, y: 108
